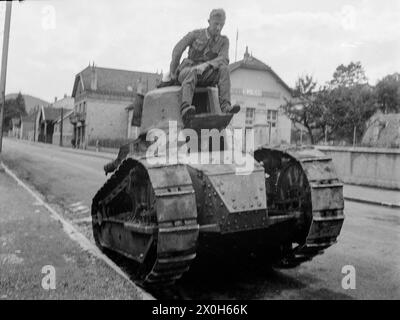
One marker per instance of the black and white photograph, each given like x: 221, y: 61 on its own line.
x: 212, y: 151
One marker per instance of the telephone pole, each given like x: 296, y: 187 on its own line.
x: 237, y: 38
x: 4, y: 68
x: 61, y: 127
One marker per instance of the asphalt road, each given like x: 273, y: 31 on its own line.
x: 369, y: 241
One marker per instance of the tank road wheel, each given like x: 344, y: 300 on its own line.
x: 294, y: 195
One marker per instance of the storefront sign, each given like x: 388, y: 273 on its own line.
x: 255, y: 93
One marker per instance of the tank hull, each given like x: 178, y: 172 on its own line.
x: 161, y: 216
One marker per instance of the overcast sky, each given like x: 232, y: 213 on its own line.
x: 51, y: 41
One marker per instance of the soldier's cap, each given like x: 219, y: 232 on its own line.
x: 218, y: 14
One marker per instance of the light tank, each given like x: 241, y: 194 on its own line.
x: 162, y: 213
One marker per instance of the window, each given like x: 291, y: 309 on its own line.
x: 272, y: 115
x: 250, y: 115
x: 84, y: 107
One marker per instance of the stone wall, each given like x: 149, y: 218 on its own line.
x: 375, y: 167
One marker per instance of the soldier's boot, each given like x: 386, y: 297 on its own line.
x: 122, y: 154
x: 112, y: 166
x: 227, y: 108
x: 187, y: 112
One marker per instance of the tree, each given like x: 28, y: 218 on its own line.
x: 337, y: 109
x: 305, y: 108
x: 13, y: 108
x: 348, y: 109
x: 388, y: 93
x: 348, y: 76
x: 349, y: 102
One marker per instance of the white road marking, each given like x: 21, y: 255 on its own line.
x: 75, y: 204
x: 78, y: 237
x: 80, y: 208
x: 10, y: 258
x: 86, y: 219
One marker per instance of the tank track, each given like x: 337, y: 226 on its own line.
x: 324, y: 214
x: 170, y: 255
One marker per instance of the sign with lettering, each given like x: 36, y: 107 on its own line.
x: 255, y: 93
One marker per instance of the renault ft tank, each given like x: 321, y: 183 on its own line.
x: 165, y: 214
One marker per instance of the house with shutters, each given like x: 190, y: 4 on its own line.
x: 102, y: 97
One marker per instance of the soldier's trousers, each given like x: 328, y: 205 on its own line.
x: 189, y: 79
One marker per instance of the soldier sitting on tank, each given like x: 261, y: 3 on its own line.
x: 206, y: 64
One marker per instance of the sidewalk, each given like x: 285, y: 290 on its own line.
x: 369, y: 195
x: 31, y: 239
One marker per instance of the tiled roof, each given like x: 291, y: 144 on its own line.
x: 66, y: 114
x: 114, y: 81
x: 52, y: 114
x: 249, y: 62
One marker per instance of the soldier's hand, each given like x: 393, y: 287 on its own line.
x: 201, y: 68
x: 172, y: 75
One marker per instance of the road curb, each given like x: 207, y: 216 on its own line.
x: 75, y: 235
x: 101, y: 154
x: 372, y: 202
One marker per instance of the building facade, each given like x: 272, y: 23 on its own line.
x: 28, y: 126
x: 47, y: 116
x: 101, y: 100
x: 260, y: 92
x: 63, y: 127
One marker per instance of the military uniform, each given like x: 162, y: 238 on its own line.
x: 202, y: 48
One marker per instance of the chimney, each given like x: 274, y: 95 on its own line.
x: 93, y: 82
x: 246, y: 54
x: 55, y: 99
